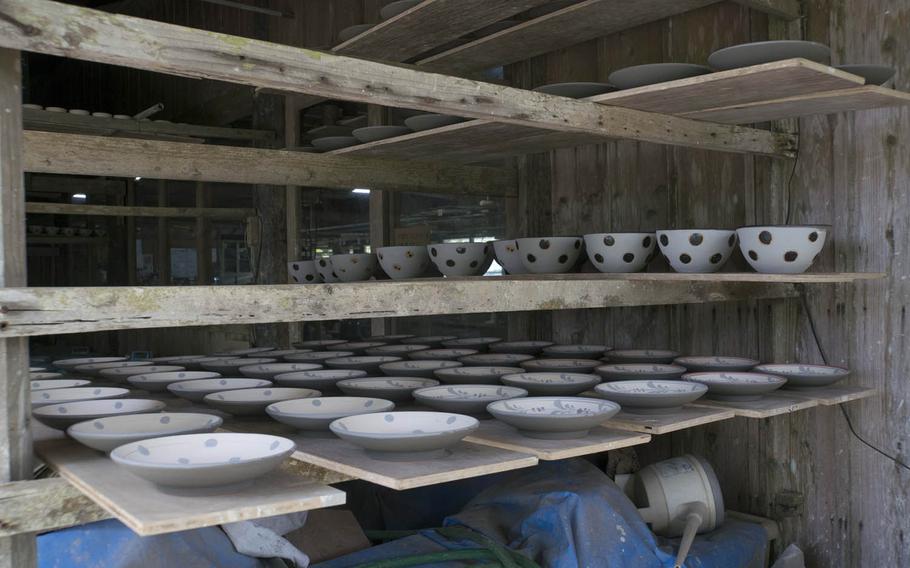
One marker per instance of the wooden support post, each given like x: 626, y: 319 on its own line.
x: 381, y: 221
x: 15, y: 412
x: 164, y: 239
x: 131, y: 276
x: 203, y: 247
x: 292, y: 199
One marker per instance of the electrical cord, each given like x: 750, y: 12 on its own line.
x: 824, y: 357
x: 799, y: 140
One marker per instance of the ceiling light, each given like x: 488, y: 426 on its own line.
x: 79, y: 197
x: 360, y: 190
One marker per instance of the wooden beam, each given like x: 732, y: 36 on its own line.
x: 77, y: 154
x: 203, y: 252
x: 163, y: 241
x: 139, y: 211
x: 71, y: 185
x: 70, y: 31
x: 786, y: 9
x: 44, y: 505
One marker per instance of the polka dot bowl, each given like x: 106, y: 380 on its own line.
x: 354, y: 267
x: 410, y: 433
x: 621, y: 252
x: 697, y: 250
x: 461, y: 259
x: 549, y: 255
x: 105, y: 434
x: 782, y: 250
x: 62, y: 416
x: 245, y: 402
x: 403, y: 261
x: 315, y: 414
x: 304, y: 272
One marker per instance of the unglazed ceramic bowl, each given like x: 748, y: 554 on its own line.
x: 73, y: 394
x: 782, y: 249
x: 323, y: 380
x: 715, y: 363
x: 662, y: 356
x: 254, y: 401
x: 424, y: 369
x: 759, y: 52
x: 399, y: 350
x: 58, y: 384
x: 94, y: 369
x: 282, y: 353
x: 326, y: 270
x: 396, y: 389
x: 105, y: 434
x: 575, y: 351
x: 174, y: 359
x: 122, y: 374
x: 696, y: 250
x: 654, y: 73
x: 801, y: 376
x: 431, y: 341
x: 304, y: 272
x: 204, y: 460
x: 232, y: 366
x: 197, y: 390
x: 553, y: 417
x: 420, y: 122
x: 522, y: 347
x: 354, y: 267
x: 461, y: 259
x: 43, y: 376
x: 317, y: 413
x: 736, y: 386
x: 495, y: 359
x: 317, y: 357
x: 621, y: 252
x: 635, y: 371
x: 403, y: 261
x: 552, y: 384
x: 319, y: 343
x: 575, y: 90
x: 373, y: 133
x: 370, y: 363
x: 329, y: 143
x: 246, y: 352
x: 158, y: 381
x: 465, y: 399
x: 450, y: 354
x: 416, y: 434
x: 651, y: 396
x: 475, y: 375
x: 394, y: 338
x: 552, y: 365
x: 549, y: 255
x: 71, y: 364
x: 359, y: 347
x: 508, y: 257
x: 478, y: 343
x: 271, y: 370
x: 198, y: 363
x: 61, y: 416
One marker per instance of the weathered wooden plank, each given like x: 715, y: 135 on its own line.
x: 786, y: 9
x: 781, y: 402
x: 500, y: 435
x: 71, y: 31
x: 656, y: 424
x: 97, y: 155
x: 44, y: 505
x: 136, y: 211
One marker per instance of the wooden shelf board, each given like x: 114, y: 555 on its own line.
x: 833, y: 395
x: 774, y: 404
x: 500, y: 435
x: 148, y: 510
x: 688, y: 416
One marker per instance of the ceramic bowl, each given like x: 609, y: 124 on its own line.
x: 271, y: 370
x: 392, y: 9
x: 330, y: 130
x: 736, y: 386
x: 424, y: 369
x: 397, y: 389
x: 73, y: 394
x: 873, y: 74
x: 282, y: 353
x: 329, y: 143
x: 403, y: 261
x: 232, y: 366
x: 158, y: 381
x: 71, y: 364
x: 246, y: 352
x: 105, y: 434
x: 43, y: 376
x: 319, y: 343
x: 651, y: 396
x: 520, y: 347
x: 621, y: 252
x: 575, y: 351
x: 431, y: 341
x: 395, y: 338
x: 122, y: 374
x: 199, y: 363
x: 477, y: 343
x: 374, y: 133
x: 461, y: 259
x: 354, y: 267
x: 654, y: 73
x: 304, y: 272
x: 204, y: 460
x: 553, y: 365
x: 495, y: 359
x: 351, y: 32
x: 315, y: 414
x: 400, y: 350
x: 94, y: 369
x: 317, y: 357
x: 174, y: 359
x: 800, y: 376
x: 475, y: 375
x: 326, y: 270
x: 756, y: 53
x: 466, y: 399
x: 370, y: 363
x: 413, y: 434
x: 61, y: 416
x: 715, y: 363
x: 661, y: 356
x: 576, y: 90
x: 782, y: 250
x: 420, y: 122
x: 58, y: 384
x: 508, y: 257
x: 449, y: 354
x: 323, y: 380
x: 553, y: 417
x: 696, y: 250
x: 197, y: 390
x: 634, y: 371
x: 359, y: 347
x: 549, y: 255
x: 244, y: 402
x: 552, y: 384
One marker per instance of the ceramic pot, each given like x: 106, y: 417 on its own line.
x: 431, y: 341
x: 400, y: 350
x: 57, y: 384
x: 696, y: 250
x: 304, y: 272
x: 403, y: 261
x: 461, y: 259
x: 359, y: 347
x: 326, y: 270
x: 782, y: 250
x: 549, y: 255
x: 621, y: 252
x: 553, y: 365
x: 508, y: 257
x: 654, y: 73
x: 354, y: 267
x: 317, y: 357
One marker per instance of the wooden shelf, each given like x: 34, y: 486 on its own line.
x: 51, y: 311
x: 501, y: 435
x: 774, y: 404
x: 686, y: 417
x: 830, y: 396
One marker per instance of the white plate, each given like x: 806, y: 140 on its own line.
x: 63, y: 415
x: 105, y: 434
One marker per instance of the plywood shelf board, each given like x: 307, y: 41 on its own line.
x: 834, y: 395
x: 774, y: 404
x: 687, y: 416
x: 500, y: 435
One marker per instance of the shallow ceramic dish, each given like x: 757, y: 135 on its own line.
x: 44, y: 376
x: 654, y: 73
x: 319, y: 343
x: 370, y: 363
x: 495, y: 359
x: 577, y: 90
x: 466, y: 399
x: 478, y: 343
x: 574, y: 351
x: 521, y: 347
x: 403, y: 261
x: 401, y: 350
x: 395, y: 338
x: 197, y: 390
x: 158, y: 381
x: 73, y: 394
x: 304, y: 272
x: 94, y: 369
x: 282, y: 353
x: 433, y: 341
x: 122, y: 374
x: 175, y: 359
x: 800, y: 376
x: 317, y: 357
x: 549, y: 255
x: 461, y: 259
x: 621, y: 252
x: 554, y: 365
x: 389, y: 388
x: 330, y: 130
x: 421, y: 122
x: 651, y: 396
x: 736, y: 386
x: 105, y: 434
x: 697, y: 250
x: 392, y: 9
x: 756, y: 53
x: 323, y: 380
x: 552, y: 384
x: 873, y: 74
x: 271, y: 370
x: 359, y: 347
x: 374, y: 133
x: 197, y: 363
x: 246, y: 352
x: 354, y: 267
x: 507, y: 255
x: 63, y: 415
x: 329, y: 143
x: 326, y: 270
x: 204, y: 460
x: 635, y: 371
x: 244, y: 402
x: 232, y: 366
x: 475, y: 375
x: 58, y: 384
x: 715, y: 363
x: 782, y: 249
x: 414, y: 434
x: 445, y: 354
x: 553, y: 417
x: 351, y: 32
x: 425, y: 369
x: 317, y: 413
x: 662, y: 356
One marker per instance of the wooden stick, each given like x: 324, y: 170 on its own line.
x: 139, y: 211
